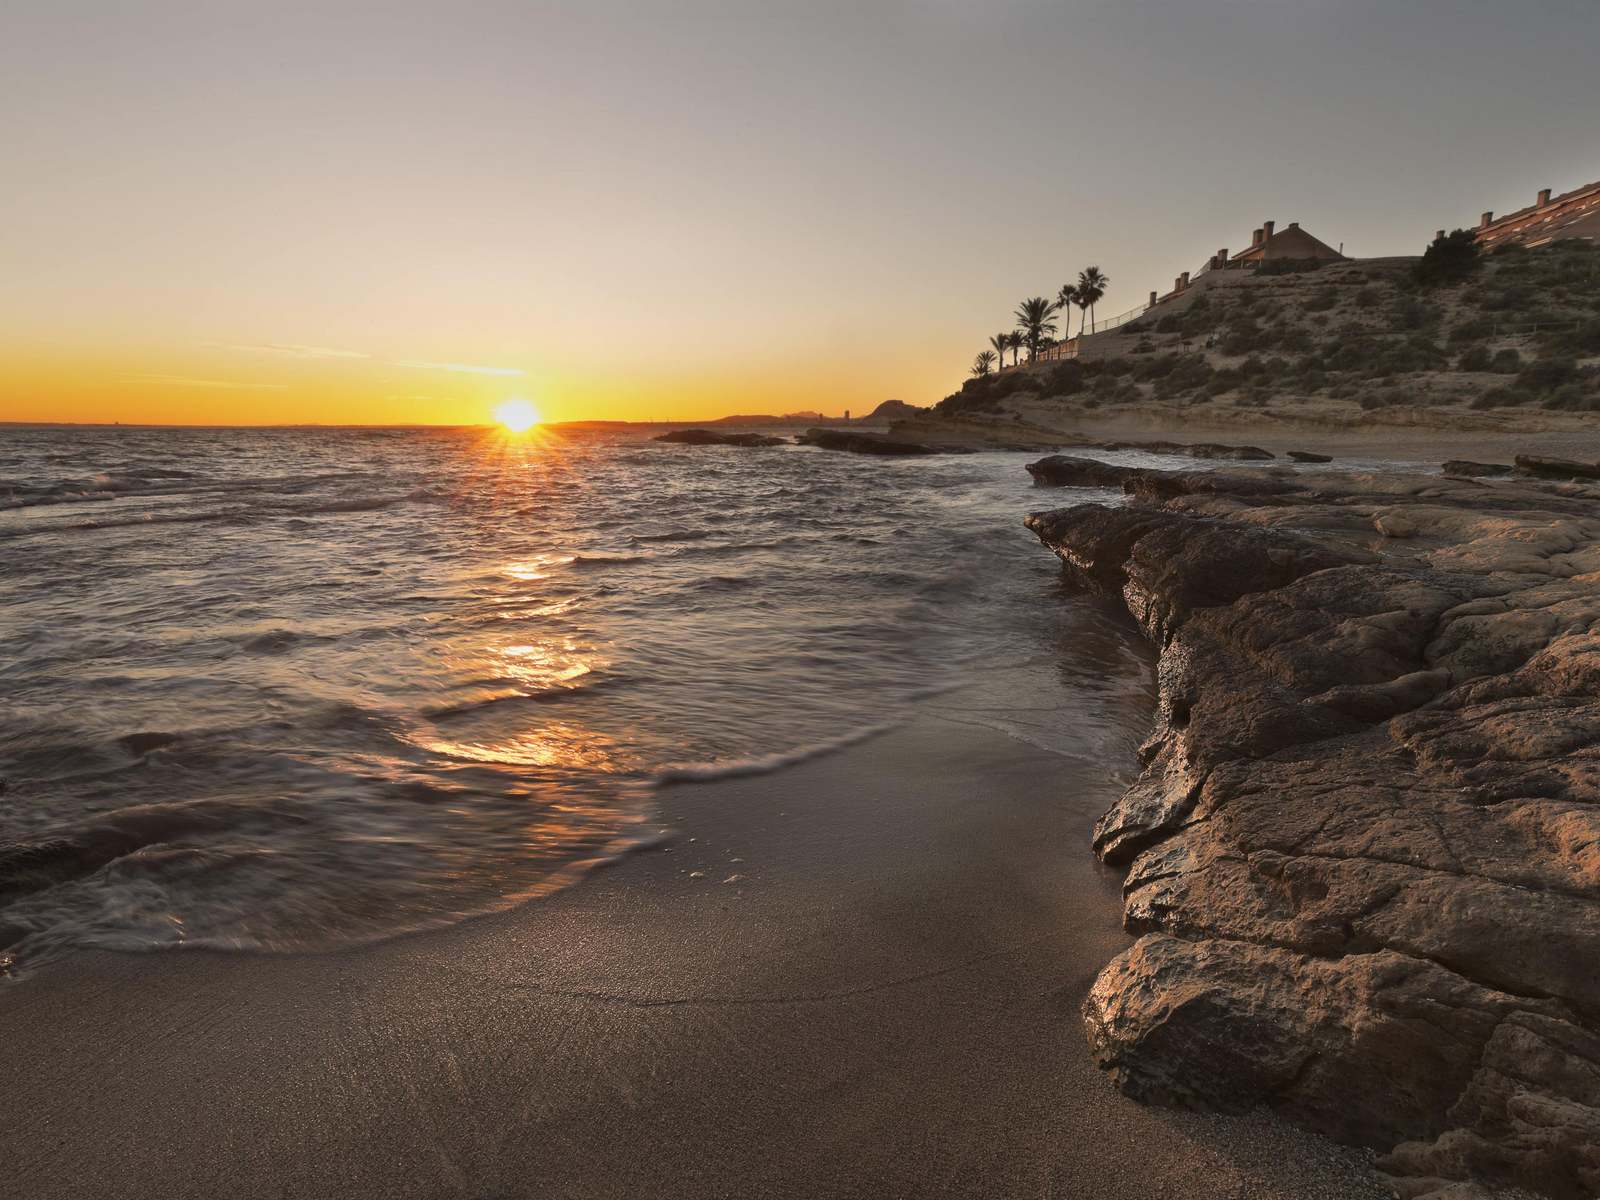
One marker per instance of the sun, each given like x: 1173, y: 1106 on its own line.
x: 516, y: 414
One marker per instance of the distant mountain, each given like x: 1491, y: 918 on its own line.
x: 892, y: 410
x: 889, y: 410
x: 799, y: 418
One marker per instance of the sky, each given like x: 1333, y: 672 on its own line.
x: 253, y: 213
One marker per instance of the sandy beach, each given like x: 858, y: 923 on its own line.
x: 857, y: 977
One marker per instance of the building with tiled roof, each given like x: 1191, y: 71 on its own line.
x: 1574, y: 214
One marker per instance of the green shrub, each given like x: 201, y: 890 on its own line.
x: 1065, y: 379
x: 1506, y: 361
x: 1473, y: 329
x: 1583, y: 341
x: 1407, y: 313
x: 1386, y: 398
x: 1547, y: 374
x: 1501, y: 397
x: 1476, y: 359
x: 1449, y: 259
x: 1515, y: 297
x: 1572, y: 397
x: 1240, y: 341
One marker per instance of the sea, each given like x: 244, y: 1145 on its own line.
x: 286, y: 690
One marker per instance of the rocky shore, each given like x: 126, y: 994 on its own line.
x: 1363, y: 856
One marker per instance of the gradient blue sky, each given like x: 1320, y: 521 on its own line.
x: 292, y: 211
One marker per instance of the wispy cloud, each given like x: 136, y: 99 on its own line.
x: 191, y: 382
x: 463, y: 368
x: 292, y: 349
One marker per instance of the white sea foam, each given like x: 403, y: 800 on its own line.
x: 767, y: 763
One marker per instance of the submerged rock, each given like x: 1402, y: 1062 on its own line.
x: 1306, y: 456
x: 707, y: 437
x: 861, y: 443
x: 1363, y: 856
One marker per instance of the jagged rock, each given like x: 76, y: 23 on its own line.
x: 1306, y: 456
x: 861, y: 443
x: 707, y: 437
x: 1556, y: 468
x: 1363, y: 855
x: 1467, y: 469
x: 1063, y: 470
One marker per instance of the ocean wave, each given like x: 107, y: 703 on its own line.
x: 766, y: 764
x: 371, y: 503
x: 606, y: 558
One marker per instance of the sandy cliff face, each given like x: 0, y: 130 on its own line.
x: 1363, y: 857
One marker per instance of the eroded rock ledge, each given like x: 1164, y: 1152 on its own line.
x: 1363, y: 857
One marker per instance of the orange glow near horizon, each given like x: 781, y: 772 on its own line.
x: 226, y: 383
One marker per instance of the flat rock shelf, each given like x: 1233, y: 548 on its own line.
x: 1363, y: 855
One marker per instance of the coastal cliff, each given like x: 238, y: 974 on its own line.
x: 1363, y: 856
x: 1354, y: 345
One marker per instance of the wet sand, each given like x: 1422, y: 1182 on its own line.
x: 856, y: 977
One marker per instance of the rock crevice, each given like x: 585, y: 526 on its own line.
x: 1363, y: 854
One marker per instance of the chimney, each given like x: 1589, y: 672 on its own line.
x: 1222, y: 256
x: 1266, y: 229
x: 1294, y: 224
x: 1177, y: 284
x: 1185, y: 278
x: 1255, y: 237
x: 1152, y: 299
x: 1544, y: 197
x: 1486, y: 221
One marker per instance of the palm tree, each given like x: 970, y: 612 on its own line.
x: 1034, y: 322
x: 1092, y: 285
x: 981, y: 364
x: 1065, y: 299
x: 1014, y: 344
x: 1001, y: 342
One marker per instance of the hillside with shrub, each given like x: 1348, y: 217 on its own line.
x: 1450, y: 339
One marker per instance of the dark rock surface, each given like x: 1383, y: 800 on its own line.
x: 1467, y: 469
x: 1556, y: 468
x: 1363, y: 856
x: 861, y: 443
x: 1306, y: 456
x: 1063, y: 470
x: 708, y: 437
x: 1191, y: 449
